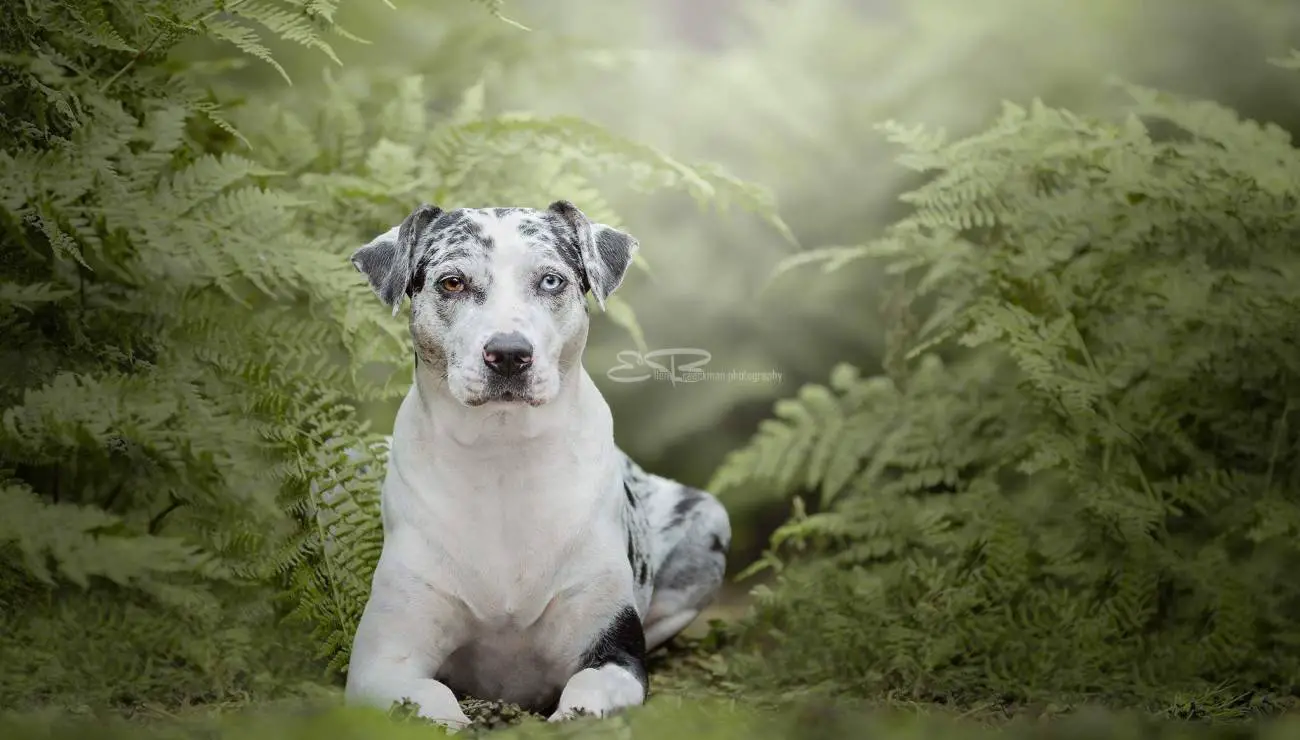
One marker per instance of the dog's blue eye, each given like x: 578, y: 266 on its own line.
x: 551, y: 282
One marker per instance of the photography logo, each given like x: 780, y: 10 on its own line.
x: 679, y: 365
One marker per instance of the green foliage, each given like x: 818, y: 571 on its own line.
x: 694, y: 718
x: 358, y: 165
x: 1095, y: 496
x: 147, y: 355
x: 185, y: 340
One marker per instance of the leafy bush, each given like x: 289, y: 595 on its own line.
x: 839, y: 66
x: 149, y: 352
x: 185, y: 340
x: 1096, y: 497
x: 384, y: 151
x: 707, y: 720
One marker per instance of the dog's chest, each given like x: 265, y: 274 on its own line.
x: 530, y: 621
x: 529, y: 552
x: 507, y: 547
x: 505, y: 574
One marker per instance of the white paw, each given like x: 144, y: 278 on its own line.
x: 563, y: 714
x: 453, y: 725
x: 438, y: 704
x: 454, y: 720
x: 598, y: 692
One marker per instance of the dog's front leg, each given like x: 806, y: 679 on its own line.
x: 405, y: 634
x: 612, y: 675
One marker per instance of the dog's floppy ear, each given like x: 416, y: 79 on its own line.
x: 389, y: 259
x: 606, y: 252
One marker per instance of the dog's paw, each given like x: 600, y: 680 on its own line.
x: 562, y: 715
x: 598, y: 692
x: 433, y: 702
x: 454, y: 720
x: 448, y: 721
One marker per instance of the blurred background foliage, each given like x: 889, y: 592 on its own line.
x: 785, y: 94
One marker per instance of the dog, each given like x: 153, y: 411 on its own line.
x: 526, y: 558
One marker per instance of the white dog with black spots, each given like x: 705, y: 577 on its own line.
x: 526, y: 558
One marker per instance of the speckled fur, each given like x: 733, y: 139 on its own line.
x: 526, y: 558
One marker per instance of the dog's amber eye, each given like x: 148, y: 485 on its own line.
x: 452, y: 284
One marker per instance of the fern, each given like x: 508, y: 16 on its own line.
x: 136, y: 486
x: 1096, y: 475
x: 186, y: 343
x: 358, y: 163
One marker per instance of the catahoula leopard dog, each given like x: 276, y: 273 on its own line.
x: 526, y: 558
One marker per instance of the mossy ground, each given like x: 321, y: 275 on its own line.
x: 698, y: 691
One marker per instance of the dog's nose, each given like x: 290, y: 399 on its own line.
x: 508, y: 354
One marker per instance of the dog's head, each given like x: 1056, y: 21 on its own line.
x: 497, y: 295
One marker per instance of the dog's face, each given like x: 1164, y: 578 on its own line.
x: 497, y: 295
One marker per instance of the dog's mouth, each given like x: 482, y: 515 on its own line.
x: 525, y: 389
x: 505, y: 398
x: 507, y: 394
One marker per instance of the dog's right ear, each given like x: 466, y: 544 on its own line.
x: 605, y: 252
x: 388, y: 261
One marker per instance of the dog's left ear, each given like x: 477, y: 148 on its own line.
x: 388, y: 261
x: 606, y: 252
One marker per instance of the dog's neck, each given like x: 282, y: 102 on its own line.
x: 578, y: 411
x: 508, y: 485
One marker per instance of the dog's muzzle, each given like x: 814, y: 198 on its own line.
x: 508, y: 355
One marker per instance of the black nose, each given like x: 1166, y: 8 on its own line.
x: 508, y: 354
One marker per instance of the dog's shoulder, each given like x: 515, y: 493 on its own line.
x: 638, y: 495
x: 638, y: 485
x: 665, y: 504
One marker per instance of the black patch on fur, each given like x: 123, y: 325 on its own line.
x: 459, y: 236
x: 446, y: 254
x: 594, y: 243
x: 565, y: 240
x: 417, y: 280
x: 621, y: 644
x: 615, y: 250
x: 411, y: 233
x: 690, y: 499
x: 467, y: 228
x: 532, y: 229
x: 388, y: 263
x: 637, y: 560
x: 717, y: 545
x: 631, y: 500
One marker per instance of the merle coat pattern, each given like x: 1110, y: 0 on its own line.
x: 526, y: 558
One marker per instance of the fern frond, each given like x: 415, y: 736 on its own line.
x: 80, y: 543
x: 246, y: 40
x: 1083, y: 485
